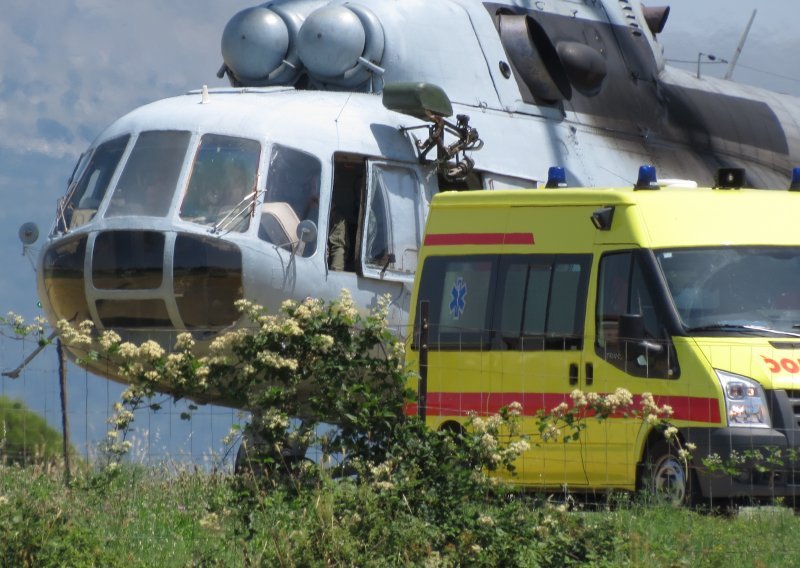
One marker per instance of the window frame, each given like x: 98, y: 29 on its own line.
x: 431, y: 289
x: 404, y: 265
x: 545, y: 341
x: 432, y: 286
x: 667, y: 319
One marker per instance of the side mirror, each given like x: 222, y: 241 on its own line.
x: 306, y: 230
x: 631, y: 329
x: 631, y: 326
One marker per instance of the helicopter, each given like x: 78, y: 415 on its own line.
x: 313, y: 171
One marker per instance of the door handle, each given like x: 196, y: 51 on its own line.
x: 573, y: 373
x: 589, y: 373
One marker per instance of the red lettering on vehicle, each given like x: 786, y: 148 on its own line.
x: 772, y: 364
x: 790, y: 366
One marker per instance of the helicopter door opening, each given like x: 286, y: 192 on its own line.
x: 392, y: 223
x: 349, y: 174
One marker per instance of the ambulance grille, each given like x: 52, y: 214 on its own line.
x: 794, y: 400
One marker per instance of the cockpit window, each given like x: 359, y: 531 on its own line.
x: 292, y: 196
x: 150, y: 176
x: 86, y: 194
x: 222, y: 182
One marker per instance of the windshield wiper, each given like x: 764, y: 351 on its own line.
x: 740, y: 328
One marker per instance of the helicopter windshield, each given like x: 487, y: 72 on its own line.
x: 85, y: 196
x: 150, y: 175
x: 731, y: 289
x: 222, y: 182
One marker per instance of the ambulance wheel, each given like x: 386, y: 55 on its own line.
x: 666, y: 476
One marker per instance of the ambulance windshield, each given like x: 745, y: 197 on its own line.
x: 731, y: 289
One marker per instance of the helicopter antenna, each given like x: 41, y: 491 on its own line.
x: 735, y: 58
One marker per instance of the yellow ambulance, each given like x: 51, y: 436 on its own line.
x: 690, y: 294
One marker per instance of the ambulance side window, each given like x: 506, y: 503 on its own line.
x: 631, y: 332
x: 541, y: 302
x: 459, y: 292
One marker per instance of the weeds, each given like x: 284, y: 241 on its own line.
x: 159, y: 517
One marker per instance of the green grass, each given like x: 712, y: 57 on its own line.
x: 153, y: 517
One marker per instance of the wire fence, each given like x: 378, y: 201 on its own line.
x: 175, y: 433
x: 478, y: 372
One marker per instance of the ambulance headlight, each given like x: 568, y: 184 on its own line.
x: 745, y: 401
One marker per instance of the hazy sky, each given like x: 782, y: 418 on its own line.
x: 70, y: 67
x: 769, y: 57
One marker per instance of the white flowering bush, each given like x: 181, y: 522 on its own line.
x: 316, y: 362
x: 313, y: 361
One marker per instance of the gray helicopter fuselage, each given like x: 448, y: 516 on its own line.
x: 328, y: 167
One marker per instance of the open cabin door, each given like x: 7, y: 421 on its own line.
x: 392, y: 222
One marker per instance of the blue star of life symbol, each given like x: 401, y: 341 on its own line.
x: 459, y: 294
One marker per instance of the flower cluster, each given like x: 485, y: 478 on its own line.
x: 80, y: 336
x: 486, y: 434
x: 273, y: 360
x: 21, y: 329
x: 345, y: 308
x: 308, y: 310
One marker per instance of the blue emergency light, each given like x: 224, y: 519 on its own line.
x: 556, y: 177
x: 647, y: 178
x: 795, y: 185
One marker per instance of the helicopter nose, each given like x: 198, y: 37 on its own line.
x: 144, y: 280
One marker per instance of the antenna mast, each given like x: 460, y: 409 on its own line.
x: 735, y: 58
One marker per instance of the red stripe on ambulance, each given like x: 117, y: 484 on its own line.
x: 689, y: 408
x: 445, y: 239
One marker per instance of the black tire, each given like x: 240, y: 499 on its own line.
x: 254, y: 457
x: 666, y: 477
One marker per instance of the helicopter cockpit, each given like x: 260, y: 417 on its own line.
x: 163, y: 229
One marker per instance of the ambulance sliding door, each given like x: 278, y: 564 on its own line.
x: 537, y: 354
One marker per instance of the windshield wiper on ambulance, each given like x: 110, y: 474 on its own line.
x: 740, y: 328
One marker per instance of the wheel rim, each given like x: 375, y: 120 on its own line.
x: 669, y: 480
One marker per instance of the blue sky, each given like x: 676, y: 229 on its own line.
x: 68, y: 68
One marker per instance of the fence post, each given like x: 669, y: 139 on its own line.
x: 62, y: 378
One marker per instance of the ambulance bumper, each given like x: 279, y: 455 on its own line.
x: 745, y: 462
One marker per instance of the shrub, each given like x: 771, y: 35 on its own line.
x: 25, y: 437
